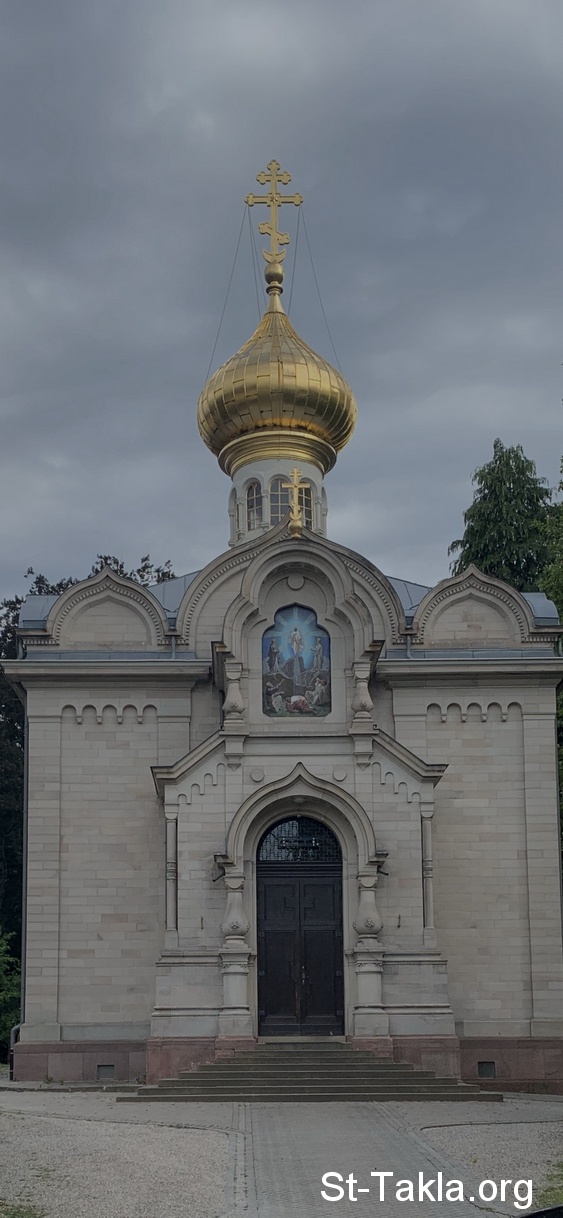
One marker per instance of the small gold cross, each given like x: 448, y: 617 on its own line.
x: 296, y: 512
x: 276, y: 177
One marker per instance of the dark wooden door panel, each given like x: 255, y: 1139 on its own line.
x: 300, y: 949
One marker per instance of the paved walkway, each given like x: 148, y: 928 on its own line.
x: 293, y: 1146
x: 84, y: 1156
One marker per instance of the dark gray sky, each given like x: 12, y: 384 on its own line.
x: 426, y: 137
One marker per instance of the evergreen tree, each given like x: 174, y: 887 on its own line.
x: 12, y: 730
x: 551, y: 583
x: 505, y: 527
x: 10, y: 983
x: 552, y: 578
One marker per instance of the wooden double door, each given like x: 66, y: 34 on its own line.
x: 300, y: 957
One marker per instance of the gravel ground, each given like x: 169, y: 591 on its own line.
x: 79, y: 1155
x: 73, y: 1168
x: 516, y: 1150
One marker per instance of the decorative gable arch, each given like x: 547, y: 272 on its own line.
x: 473, y: 607
x: 107, y: 588
x: 289, y: 561
x: 361, y: 595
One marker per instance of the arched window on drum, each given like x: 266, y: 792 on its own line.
x: 253, y: 506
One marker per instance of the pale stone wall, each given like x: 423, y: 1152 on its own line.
x: 96, y: 855
x: 481, y: 897
x: 496, y: 852
x: 206, y: 715
x: 112, y: 882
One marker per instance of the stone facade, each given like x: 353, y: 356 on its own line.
x: 153, y: 773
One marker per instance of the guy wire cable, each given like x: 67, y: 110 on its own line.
x: 255, y: 261
x: 319, y: 291
x: 227, y: 295
x: 294, y: 261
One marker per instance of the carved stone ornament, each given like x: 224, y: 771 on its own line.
x: 367, y: 922
x: 362, y: 704
x: 235, y: 924
x: 233, y: 706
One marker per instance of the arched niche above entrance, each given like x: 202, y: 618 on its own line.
x: 296, y: 665
x: 301, y: 792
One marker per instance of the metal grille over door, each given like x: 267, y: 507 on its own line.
x: 300, y: 840
x: 300, y: 979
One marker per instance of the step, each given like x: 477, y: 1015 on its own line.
x: 303, y: 1042
x: 314, y: 1097
x: 279, y: 1087
x: 237, y: 1077
x: 307, y: 1072
x: 235, y: 1065
x: 325, y: 1045
x: 336, y: 1071
x: 273, y: 1084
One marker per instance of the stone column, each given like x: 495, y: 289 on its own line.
x: 171, y: 931
x: 235, y: 1019
x: 370, y: 1019
x: 429, y: 931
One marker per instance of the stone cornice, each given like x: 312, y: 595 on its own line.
x: 26, y: 671
x: 406, y: 671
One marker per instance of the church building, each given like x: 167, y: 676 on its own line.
x: 288, y: 795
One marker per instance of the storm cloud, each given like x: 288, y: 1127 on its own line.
x: 426, y: 138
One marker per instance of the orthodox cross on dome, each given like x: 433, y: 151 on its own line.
x: 276, y: 177
x: 295, y: 507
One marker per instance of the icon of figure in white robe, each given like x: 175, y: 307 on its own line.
x: 296, y: 641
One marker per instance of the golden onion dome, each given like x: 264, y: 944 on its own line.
x: 276, y: 398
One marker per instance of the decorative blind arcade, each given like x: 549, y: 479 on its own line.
x: 299, y: 840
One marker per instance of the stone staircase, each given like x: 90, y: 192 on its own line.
x: 306, y: 1071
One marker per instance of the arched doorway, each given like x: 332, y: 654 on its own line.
x: 300, y: 956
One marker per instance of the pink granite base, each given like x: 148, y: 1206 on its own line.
x: 78, y: 1061
x: 382, y: 1046
x: 440, y: 1054
x: 167, y: 1057
x: 533, y: 1064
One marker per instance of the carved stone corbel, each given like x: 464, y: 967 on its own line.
x: 235, y: 923
x: 233, y: 706
x: 234, y: 723
x: 362, y: 705
x: 367, y: 922
x: 361, y: 727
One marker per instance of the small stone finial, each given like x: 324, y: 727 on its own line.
x: 275, y: 176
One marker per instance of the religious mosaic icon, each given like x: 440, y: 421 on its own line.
x: 296, y: 664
